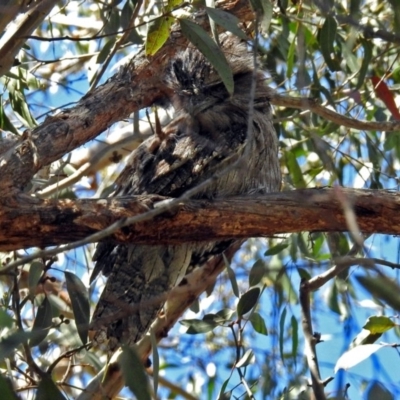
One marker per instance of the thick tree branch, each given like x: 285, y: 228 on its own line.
x: 27, y: 222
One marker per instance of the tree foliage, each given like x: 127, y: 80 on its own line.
x: 76, y: 97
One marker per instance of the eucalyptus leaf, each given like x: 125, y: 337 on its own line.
x: 79, y: 296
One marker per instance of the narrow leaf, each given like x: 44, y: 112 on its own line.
x: 355, y: 355
x: 80, y: 304
x: 35, y: 272
x: 196, y: 326
x: 42, y: 323
x: 327, y: 37
x: 247, y: 358
x: 226, y: 20
x: 295, y: 336
x: 276, y: 249
x: 382, y: 288
x: 134, y: 374
x: 232, y: 277
x: 199, y: 37
x: 156, y: 362
x: 247, y: 301
x: 282, y: 332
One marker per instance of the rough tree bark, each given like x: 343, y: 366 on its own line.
x: 27, y: 222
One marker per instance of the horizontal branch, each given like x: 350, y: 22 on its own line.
x: 134, y: 87
x: 28, y: 222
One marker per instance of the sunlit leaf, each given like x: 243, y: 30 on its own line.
x: 42, y: 323
x: 355, y: 355
x: 379, y: 324
x: 247, y: 358
x: 295, y: 171
x: 134, y: 374
x: 258, y: 323
x: 157, y: 33
x: 79, y: 296
x: 199, y: 37
x: 247, y: 301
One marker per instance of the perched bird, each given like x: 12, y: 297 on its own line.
x: 208, y: 132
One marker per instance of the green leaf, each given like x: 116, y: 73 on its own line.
x: 105, y: 51
x: 47, y: 390
x: 366, y: 62
x: 199, y: 37
x: 382, y: 288
x: 290, y: 57
x: 226, y: 20
x: 295, y: 336
x: 5, y: 122
x: 10, y: 343
x: 247, y: 301
x: 258, y: 323
x: 134, y: 373
x: 42, y: 324
x: 327, y: 37
x: 157, y: 34
x: 282, y: 332
x: 172, y: 4
x: 6, y: 321
x: 222, y: 394
x: 156, y: 361
x: 35, y: 272
x: 303, y: 273
x: 80, y: 304
x: 6, y: 389
x: 295, y: 171
x: 221, y: 316
x: 276, y: 249
x: 256, y: 273
x: 379, y: 324
x: 232, y: 277
x: 196, y: 326
x: 247, y: 358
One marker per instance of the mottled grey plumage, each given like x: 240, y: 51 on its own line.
x: 208, y: 127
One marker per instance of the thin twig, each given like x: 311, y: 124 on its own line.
x: 310, y: 342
